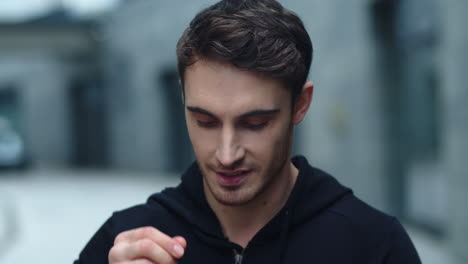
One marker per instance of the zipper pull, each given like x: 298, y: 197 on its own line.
x: 238, y: 259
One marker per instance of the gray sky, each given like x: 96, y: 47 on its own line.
x: 21, y: 9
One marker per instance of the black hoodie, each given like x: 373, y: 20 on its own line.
x: 322, y: 223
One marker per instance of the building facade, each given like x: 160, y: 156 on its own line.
x: 389, y: 116
x: 45, y: 65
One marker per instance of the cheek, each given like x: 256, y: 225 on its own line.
x: 267, y: 143
x: 203, y: 142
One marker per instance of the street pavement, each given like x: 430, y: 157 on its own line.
x: 54, y: 213
x: 47, y: 216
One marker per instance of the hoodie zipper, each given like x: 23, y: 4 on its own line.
x: 238, y: 257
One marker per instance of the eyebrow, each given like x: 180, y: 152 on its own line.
x: 260, y: 112
x: 256, y: 112
x: 196, y: 109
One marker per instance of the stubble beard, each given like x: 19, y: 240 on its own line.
x: 244, y: 194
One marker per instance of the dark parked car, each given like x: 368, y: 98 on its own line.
x: 12, y: 151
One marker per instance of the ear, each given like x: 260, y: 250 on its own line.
x: 303, y: 103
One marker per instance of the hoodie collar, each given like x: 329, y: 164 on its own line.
x: 313, y: 192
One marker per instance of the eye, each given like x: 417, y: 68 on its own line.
x: 205, y: 120
x: 255, y: 122
x: 206, y: 124
x: 256, y: 126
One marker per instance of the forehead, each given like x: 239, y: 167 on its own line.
x: 222, y: 87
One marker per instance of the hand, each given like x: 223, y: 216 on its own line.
x: 146, y: 245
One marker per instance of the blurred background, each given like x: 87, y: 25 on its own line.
x: 91, y: 119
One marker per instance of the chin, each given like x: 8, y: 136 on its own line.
x: 230, y: 196
x: 232, y: 201
x: 234, y: 197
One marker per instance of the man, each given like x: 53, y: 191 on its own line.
x: 243, y: 67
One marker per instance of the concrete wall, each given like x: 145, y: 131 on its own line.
x: 140, y: 39
x: 454, y: 58
x: 343, y: 133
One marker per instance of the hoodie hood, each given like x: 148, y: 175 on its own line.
x: 313, y: 192
x: 321, y: 222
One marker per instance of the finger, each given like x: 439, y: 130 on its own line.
x: 153, y: 234
x: 117, y: 253
x: 142, y: 261
x: 182, y: 242
x: 149, y: 250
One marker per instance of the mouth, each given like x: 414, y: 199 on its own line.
x: 232, y: 178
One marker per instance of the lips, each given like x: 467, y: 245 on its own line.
x: 232, y: 178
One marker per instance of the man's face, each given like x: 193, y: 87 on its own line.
x: 240, y: 128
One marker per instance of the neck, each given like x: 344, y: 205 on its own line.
x: 237, y: 221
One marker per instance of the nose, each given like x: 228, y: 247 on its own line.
x: 229, y: 151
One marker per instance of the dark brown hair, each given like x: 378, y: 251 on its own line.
x: 255, y: 35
